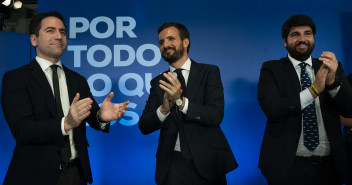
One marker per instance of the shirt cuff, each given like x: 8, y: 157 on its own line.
x: 161, y: 116
x: 63, y: 127
x: 306, y: 98
x: 334, y: 92
x: 102, y: 124
x: 185, y: 107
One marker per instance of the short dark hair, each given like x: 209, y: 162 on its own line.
x: 294, y: 21
x: 36, y: 22
x: 183, y: 31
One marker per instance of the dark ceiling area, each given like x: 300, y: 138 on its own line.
x: 29, y: 1
x: 17, y: 20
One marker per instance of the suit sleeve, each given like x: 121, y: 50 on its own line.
x: 276, y: 101
x: 210, y: 110
x: 343, y: 98
x: 149, y: 121
x: 18, y: 107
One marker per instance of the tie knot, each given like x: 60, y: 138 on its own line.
x: 178, y: 71
x: 54, y: 67
x: 303, y: 65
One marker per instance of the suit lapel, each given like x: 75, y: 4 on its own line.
x: 291, y: 72
x: 193, y: 80
x: 316, y: 65
x: 41, y: 79
x: 71, y: 85
x: 72, y: 88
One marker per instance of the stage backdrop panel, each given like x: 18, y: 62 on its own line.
x: 114, y: 45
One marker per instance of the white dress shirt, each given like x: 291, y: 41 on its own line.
x: 185, y: 72
x: 323, y: 149
x: 65, y: 102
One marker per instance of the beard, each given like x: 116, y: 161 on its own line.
x: 172, y: 58
x: 300, y: 56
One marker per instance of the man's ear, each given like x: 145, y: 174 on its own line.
x: 185, y: 42
x: 34, y: 39
x: 285, y: 42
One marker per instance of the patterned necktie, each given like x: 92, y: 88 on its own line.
x: 185, y: 151
x: 310, y: 124
x: 65, y: 150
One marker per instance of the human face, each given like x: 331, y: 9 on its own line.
x: 172, y: 48
x: 52, y: 41
x: 300, y: 42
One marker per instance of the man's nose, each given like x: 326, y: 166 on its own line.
x: 302, y: 37
x: 58, y: 35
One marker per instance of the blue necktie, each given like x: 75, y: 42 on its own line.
x: 310, y: 124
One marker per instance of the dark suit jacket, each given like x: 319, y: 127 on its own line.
x: 348, y: 138
x: 278, y: 96
x: 210, y: 150
x: 30, y: 111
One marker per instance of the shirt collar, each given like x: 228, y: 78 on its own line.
x: 296, y: 62
x: 186, y: 66
x: 45, y: 64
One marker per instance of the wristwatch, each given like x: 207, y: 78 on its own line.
x: 179, y: 101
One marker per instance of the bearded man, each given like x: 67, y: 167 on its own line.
x: 186, y: 103
x: 303, y: 98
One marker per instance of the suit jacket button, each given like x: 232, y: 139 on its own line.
x: 291, y: 107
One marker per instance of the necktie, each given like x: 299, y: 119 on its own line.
x: 185, y: 151
x: 182, y: 81
x: 310, y: 124
x: 65, y: 150
x: 56, y: 85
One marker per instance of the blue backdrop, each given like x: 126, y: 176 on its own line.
x: 114, y: 45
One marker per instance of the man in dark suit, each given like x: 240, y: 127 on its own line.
x: 46, y: 106
x: 188, y: 110
x: 347, y: 130
x: 303, y: 98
